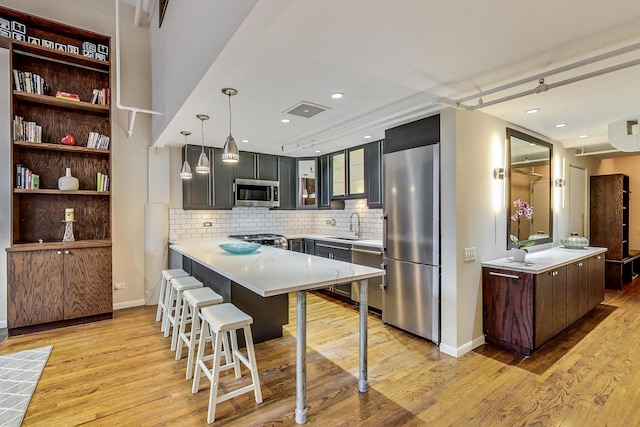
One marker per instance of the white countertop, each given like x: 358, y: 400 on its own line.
x: 338, y: 238
x: 545, y: 260
x: 271, y: 271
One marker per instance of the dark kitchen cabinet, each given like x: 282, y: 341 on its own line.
x: 577, y: 290
x: 339, y: 252
x: 213, y: 190
x: 257, y: 166
x: 609, y: 214
x: 324, y: 178
x: 197, y: 192
x: 596, y: 280
x: 223, y: 174
x: 374, y: 174
x: 550, y: 304
x: 287, y: 179
x: 296, y: 245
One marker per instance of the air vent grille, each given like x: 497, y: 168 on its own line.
x: 306, y: 109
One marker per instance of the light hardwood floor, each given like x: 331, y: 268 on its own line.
x: 121, y: 372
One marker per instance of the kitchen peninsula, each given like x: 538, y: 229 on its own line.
x: 272, y: 272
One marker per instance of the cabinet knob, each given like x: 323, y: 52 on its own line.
x: 59, y: 252
x: 599, y: 257
x: 67, y: 252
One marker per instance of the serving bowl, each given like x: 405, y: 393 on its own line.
x: 240, y: 248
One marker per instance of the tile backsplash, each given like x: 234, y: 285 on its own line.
x: 191, y: 224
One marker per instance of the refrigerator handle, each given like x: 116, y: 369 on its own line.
x: 384, y: 233
x: 383, y: 284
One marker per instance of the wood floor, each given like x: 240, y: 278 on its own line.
x: 121, y: 372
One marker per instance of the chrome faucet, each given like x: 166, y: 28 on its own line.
x: 351, y: 223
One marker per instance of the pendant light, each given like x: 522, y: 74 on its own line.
x: 185, y: 173
x: 230, y: 151
x: 203, y: 160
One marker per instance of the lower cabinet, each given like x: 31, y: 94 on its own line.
x: 522, y: 311
x: 337, y: 251
x: 56, y: 285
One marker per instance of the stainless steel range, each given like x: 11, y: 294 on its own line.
x: 266, y: 239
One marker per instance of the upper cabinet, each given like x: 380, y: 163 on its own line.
x: 287, y: 179
x: 307, y: 183
x: 213, y: 190
x: 348, y: 174
x: 373, y: 174
x: 356, y: 171
x: 257, y: 166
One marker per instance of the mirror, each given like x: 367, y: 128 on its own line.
x: 529, y: 172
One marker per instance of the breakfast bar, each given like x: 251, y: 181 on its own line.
x: 270, y: 272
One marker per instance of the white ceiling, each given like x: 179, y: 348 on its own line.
x: 392, y: 58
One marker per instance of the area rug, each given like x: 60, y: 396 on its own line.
x: 19, y: 375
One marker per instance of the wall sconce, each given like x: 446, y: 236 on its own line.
x: 559, y: 182
x: 498, y: 173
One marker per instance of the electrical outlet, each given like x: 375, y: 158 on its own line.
x: 120, y: 286
x: 206, y: 224
x: 469, y: 254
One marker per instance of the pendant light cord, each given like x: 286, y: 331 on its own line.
x: 229, y: 114
x: 202, y: 133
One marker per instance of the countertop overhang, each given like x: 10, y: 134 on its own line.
x: 271, y: 271
x: 545, y: 260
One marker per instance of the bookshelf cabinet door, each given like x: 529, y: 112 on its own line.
x: 87, y: 273
x: 35, y: 287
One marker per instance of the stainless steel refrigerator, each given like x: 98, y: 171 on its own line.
x: 411, y: 299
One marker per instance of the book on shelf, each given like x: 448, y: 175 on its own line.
x: 29, y: 82
x: 25, y: 178
x: 98, y: 140
x: 102, y: 182
x: 100, y: 96
x: 67, y: 95
x: 26, y: 131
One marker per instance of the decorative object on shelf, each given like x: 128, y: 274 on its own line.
x: 518, y: 255
x: 230, y: 150
x: 203, y: 160
x: 68, y: 182
x: 241, y: 248
x: 69, y: 219
x: 67, y: 95
x: 519, y: 251
x: 574, y: 241
x: 185, y: 173
x: 68, y: 139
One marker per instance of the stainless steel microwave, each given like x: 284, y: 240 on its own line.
x: 256, y: 192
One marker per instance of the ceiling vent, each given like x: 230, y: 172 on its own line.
x: 306, y: 109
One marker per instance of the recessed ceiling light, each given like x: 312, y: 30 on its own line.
x: 533, y: 111
x: 367, y: 137
x: 285, y: 120
x: 561, y: 125
x: 337, y: 95
x: 245, y: 140
x: 586, y: 135
x: 318, y: 151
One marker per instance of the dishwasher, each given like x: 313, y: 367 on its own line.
x: 371, y: 257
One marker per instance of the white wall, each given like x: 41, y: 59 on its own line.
x: 193, y: 34
x: 472, y: 145
x: 129, y: 155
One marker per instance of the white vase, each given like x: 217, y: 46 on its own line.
x: 518, y: 255
x: 68, y: 182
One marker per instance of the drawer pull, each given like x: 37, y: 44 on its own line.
x: 366, y: 251
x: 322, y: 245
x: 510, y: 276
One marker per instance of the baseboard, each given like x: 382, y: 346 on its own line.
x: 3, y: 324
x: 463, y: 349
x: 128, y: 304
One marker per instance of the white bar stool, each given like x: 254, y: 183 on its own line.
x: 193, y: 300
x: 167, y: 275
x: 218, y: 320
x: 178, y: 286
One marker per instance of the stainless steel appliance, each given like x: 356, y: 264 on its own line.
x: 256, y: 192
x: 266, y: 239
x: 411, y: 299
x: 371, y: 257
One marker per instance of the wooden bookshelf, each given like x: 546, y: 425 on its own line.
x: 51, y: 283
